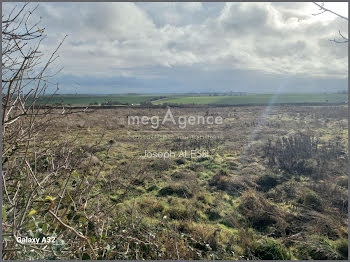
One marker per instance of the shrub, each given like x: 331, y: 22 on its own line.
x: 160, y: 165
x: 302, y: 154
x: 258, y: 211
x: 268, y: 181
x: 290, y: 189
x: 233, y: 185
x: 205, y: 199
x: 213, y: 214
x: 152, y: 206
x: 201, y: 159
x: 152, y: 187
x: 317, y: 247
x: 177, y: 190
x: 270, y: 249
x: 183, y: 175
x: 181, y: 213
x: 180, y: 161
x: 342, y: 181
x: 287, y: 191
x: 195, y: 167
x: 184, y: 227
x: 312, y: 200
x: 233, y: 219
x: 342, y: 248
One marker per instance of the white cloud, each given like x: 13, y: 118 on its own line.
x: 122, y: 38
x: 192, y: 6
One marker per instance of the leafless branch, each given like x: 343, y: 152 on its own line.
x: 322, y: 9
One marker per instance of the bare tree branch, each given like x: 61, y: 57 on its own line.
x: 323, y: 10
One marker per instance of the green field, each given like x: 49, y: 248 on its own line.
x: 256, y: 99
x: 98, y: 99
x: 158, y: 99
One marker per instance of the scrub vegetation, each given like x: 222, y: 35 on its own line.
x: 274, y: 185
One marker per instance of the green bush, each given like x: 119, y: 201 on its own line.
x: 180, y: 161
x: 232, y: 185
x: 175, y: 190
x: 212, y: 214
x: 270, y: 249
x: 152, y: 188
x: 258, y: 211
x: 181, y: 213
x: 268, y: 181
x: 319, y: 248
x: 203, y: 198
x: 342, y: 181
x: 160, y: 165
x: 183, y: 175
x: 342, y: 248
x: 312, y: 200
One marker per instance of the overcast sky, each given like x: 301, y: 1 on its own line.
x: 194, y: 47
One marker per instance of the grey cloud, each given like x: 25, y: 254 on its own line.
x: 241, y: 17
x: 120, y: 38
x: 295, y: 48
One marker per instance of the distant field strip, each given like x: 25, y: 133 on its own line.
x: 82, y: 100
x: 96, y: 99
x: 256, y: 99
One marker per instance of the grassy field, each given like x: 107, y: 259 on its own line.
x: 256, y: 99
x: 99, y: 99
x: 158, y: 99
x: 271, y: 186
